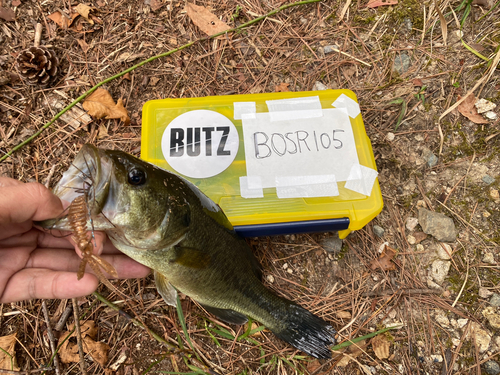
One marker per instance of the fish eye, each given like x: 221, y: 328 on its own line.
x: 136, y: 177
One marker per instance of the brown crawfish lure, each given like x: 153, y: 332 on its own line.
x: 78, y: 215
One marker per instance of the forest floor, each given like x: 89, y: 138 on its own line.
x: 400, y: 57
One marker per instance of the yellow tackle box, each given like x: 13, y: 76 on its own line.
x: 277, y: 163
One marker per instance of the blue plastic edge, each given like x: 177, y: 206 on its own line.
x: 293, y: 227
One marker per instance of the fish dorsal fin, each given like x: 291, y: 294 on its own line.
x: 226, y: 315
x: 166, y: 290
x: 191, y: 257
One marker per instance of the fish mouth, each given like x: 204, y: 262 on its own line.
x: 89, y: 175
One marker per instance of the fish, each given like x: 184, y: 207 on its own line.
x: 166, y: 223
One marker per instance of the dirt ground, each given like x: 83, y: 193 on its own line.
x: 447, y: 304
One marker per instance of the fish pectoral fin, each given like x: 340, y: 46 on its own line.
x: 191, y: 257
x: 226, y: 315
x: 166, y: 290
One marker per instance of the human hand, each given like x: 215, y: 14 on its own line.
x: 37, y: 264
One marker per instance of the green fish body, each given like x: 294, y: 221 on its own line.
x: 166, y: 223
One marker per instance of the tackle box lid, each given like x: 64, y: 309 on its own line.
x: 276, y: 163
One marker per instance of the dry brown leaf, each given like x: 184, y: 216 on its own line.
x: 384, y: 260
x: 155, y: 5
x: 68, y: 352
x: 62, y: 21
x: 282, y: 87
x: 129, y: 56
x: 7, y: 14
x: 84, y: 11
x: 344, y: 315
x: 83, y: 44
x: 468, y: 109
x: 313, y: 366
x: 378, y: 3
x: 419, y: 236
x: 442, y: 21
x: 381, y: 346
x: 205, y: 20
x: 351, y: 352
x: 100, y: 104
x: 16, y: 3
x: 8, y: 362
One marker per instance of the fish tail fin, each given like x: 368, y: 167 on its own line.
x: 304, y: 330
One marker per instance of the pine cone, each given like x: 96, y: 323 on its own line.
x: 37, y: 64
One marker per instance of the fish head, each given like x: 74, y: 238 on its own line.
x: 136, y: 203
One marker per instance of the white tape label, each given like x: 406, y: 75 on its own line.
x: 300, y: 146
x: 243, y: 108
x: 361, y: 179
x: 306, y: 186
x: 343, y: 101
x: 294, y: 108
x: 200, y: 143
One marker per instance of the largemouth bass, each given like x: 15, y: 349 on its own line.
x: 166, y: 223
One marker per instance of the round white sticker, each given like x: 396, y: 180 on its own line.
x: 200, y: 143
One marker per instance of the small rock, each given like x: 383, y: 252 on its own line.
x: 438, y: 225
x: 332, y: 244
x: 489, y: 258
x: 493, y: 318
x: 455, y: 341
x: 484, y: 292
x: 436, y: 358
x: 303, y: 20
x: 482, y: 337
x: 390, y: 136
x: 483, y: 105
x: 407, y: 23
x: 379, y: 231
x: 431, y: 284
x: 318, y: 86
x: 490, y: 115
x: 270, y: 278
x: 443, y: 251
x: 289, y: 270
x: 401, y: 63
x: 442, y: 320
x: 462, y: 322
x: 488, y: 180
x: 494, y: 194
x: 411, y: 223
x: 491, y: 367
x: 331, y: 48
x: 411, y: 240
x: 439, y: 270
x: 429, y: 157
x: 419, y: 236
x: 285, y: 266
x: 495, y: 300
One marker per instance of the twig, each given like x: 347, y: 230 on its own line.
x: 409, y: 292
x: 463, y: 286
x: 38, y: 34
x: 64, y: 317
x: 12, y: 372
x: 76, y: 315
x: 144, y: 62
x: 51, y: 337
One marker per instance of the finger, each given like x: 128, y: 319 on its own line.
x: 47, y: 284
x: 6, y: 181
x: 33, y: 238
x: 24, y: 202
x: 68, y: 261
